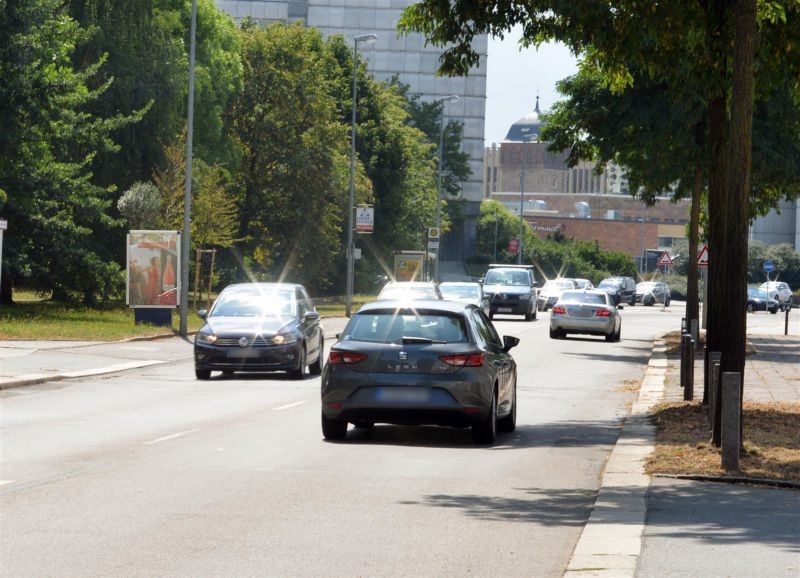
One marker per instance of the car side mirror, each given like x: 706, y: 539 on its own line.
x: 202, y: 314
x: 480, y: 280
x: 311, y: 315
x: 536, y: 284
x: 509, y: 341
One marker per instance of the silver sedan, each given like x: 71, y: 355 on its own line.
x: 588, y: 312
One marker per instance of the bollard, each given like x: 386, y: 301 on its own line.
x: 716, y: 403
x: 786, y: 322
x: 684, y: 327
x: 687, y: 367
x: 731, y: 414
x: 694, y: 331
x: 708, y: 369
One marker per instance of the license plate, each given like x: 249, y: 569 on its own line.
x: 243, y: 353
x: 403, y: 395
x: 504, y: 309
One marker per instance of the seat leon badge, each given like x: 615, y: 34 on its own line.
x: 243, y: 342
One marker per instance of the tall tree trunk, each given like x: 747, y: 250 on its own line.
x: 734, y: 325
x: 6, y: 288
x: 692, y: 300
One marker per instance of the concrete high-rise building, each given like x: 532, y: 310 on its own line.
x: 413, y: 63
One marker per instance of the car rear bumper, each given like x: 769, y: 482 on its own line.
x: 588, y: 325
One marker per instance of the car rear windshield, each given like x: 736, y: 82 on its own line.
x: 580, y: 297
x: 502, y: 277
x: 387, y: 327
x: 254, y: 304
x: 610, y: 283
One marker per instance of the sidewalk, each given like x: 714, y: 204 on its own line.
x: 654, y: 527
x: 25, y: 363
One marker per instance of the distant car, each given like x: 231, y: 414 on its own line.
x: 652, y: 292
x: 621, y: 289
x: 260, y: 327
x: 759, y: 300
x: 467, y: 292
x: 551, y: 291
x: 583, y: 283
x: 405, y: 290
x: 512, y: 289
x: 779, y: 291
x: 430, y: 362
x: 588, y: 312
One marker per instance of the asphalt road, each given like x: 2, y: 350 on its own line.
x: 152, y: 473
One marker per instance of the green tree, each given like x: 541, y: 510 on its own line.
x: 292, y: 176
x: 48, y: 142
x: 141, y: 206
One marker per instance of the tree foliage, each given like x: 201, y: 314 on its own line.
x: 141, y: 205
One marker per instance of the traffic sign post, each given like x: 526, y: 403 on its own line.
x: 3, y: 227
x: 702, y: 257
x: 665, y: 261
x: 702, y: 262
x: 365, y: 219
x: 769, y: 267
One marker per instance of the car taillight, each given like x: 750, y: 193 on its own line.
x: 559, y: 311
x: 347, y: 357
x: 602, y: 313
x: 464, y: 359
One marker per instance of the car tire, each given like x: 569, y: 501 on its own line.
x: 491, y: 316
x: 509, y: 422
x: 750, y: 308
x: 485, y: 432
x: 299, y: 372
x: 618, y: 335
x: 554, y: 334
x: 774, y: 310
x: 202, y: 374
x: 633, y: 301
x: 316, y: 367
x: 666, y: 303
x: 648, y: 301
x: 364, y: 425
x: 333, y: 429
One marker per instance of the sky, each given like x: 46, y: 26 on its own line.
x: 513, y: 78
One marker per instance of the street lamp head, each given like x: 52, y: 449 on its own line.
x: 371, y: 37
x: 447, y: 98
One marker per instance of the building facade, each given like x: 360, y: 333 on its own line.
x: 413, y: 63
x: 781, y: 225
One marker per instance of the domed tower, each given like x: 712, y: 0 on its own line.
x: 529, y: 126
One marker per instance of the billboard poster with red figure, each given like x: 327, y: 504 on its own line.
x: 153, y: 266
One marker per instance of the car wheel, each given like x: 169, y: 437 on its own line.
x: 316, y: 367
x: 554, y: 334
x: 618, y: 334
x: 509, y: 423
x: 774, y: 310
x: 611, y: 337
x: 535, y: 312
x: 666, y: 303
x: 300, y: 371
x: 491, y: 316
x: 333, y: 429
x: 485, y: 432
x: 528, y: 316
x: 633, y: 301
x: 203, y: 374
x: 649, y: 301
x: 750, y: 308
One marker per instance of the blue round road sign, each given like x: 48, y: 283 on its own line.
x: 769, y: 266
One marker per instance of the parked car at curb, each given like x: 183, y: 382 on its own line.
x: 436, y: 362
x: 583, y: 283
x: 759, y: 300
x: 652, y: 292
x: 621, y: 289
x: 260, y: 327
x: 404, y: 290
x: 586, y: 312
x: 466, y: 292
x: 551, y: 291
x: 512, y: 289
x: 780, y: 292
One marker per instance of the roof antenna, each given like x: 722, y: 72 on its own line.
x: 536, y: 108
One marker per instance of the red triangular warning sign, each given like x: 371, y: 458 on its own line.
x: 665, y: 259
x: 702, y: 257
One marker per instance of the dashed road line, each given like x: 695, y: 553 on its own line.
x: 4, y: 482
x: 170, y: 437
x: 288, y: 406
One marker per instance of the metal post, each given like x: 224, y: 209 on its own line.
x: 521, y: 202
x: 351, y: 203
x: 439, y: 179
x: 730, y: 418
x: 687, y: 367
x: 785, y: 323
x: 187, y: 190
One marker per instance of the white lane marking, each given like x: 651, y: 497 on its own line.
x: 288, y: 406
x: 4, y: 482
x: 170, y: 437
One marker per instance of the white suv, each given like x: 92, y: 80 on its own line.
x: 779, y: 291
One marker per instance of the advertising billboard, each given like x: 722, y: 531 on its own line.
x: 153, y: 269
x: 409, y: 266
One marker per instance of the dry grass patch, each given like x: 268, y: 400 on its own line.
x: 629, y: 386
x: 771, y: 441
x: 673, y: 343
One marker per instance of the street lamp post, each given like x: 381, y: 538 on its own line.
x: 442, y: 99
x: 351, y: 204
x: 187, y: 190
x: 525, y: 140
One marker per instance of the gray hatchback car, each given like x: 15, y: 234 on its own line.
x: 433, y: 362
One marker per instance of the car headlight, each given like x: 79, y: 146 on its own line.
x: 206, y: 338
x: 524, y: 296
x: 284, y: 338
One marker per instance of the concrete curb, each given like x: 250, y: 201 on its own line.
x: 611, y: 540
